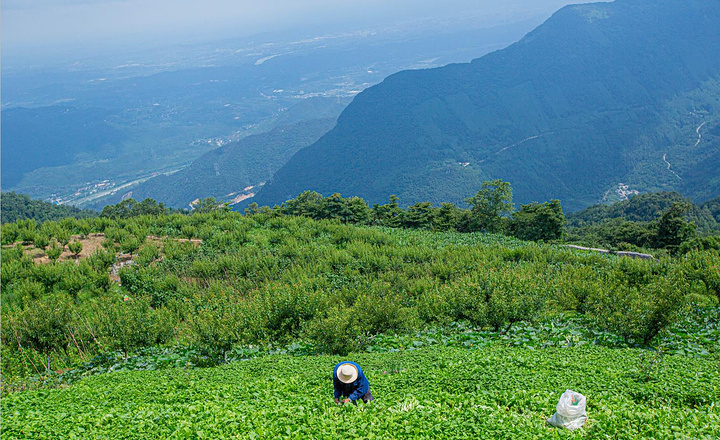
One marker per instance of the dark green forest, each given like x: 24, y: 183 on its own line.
x: 638, y: 223
x: 660, y: 222
x: 648, y: 207
x: 14, y: 207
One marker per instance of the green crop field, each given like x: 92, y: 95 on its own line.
x: 494, y: 392
x: 219, y: 325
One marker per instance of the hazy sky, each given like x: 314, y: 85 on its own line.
x: 32, y: 24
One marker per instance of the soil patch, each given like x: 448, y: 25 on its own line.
x: 92, y: 243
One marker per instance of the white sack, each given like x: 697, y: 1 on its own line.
x: 570, y: 411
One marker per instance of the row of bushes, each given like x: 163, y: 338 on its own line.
x: 268, y: 279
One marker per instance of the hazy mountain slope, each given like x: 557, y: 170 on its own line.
x: 35, y: 138
x: 226, y: 171
x: 598, y: 95
x: 155, y: 109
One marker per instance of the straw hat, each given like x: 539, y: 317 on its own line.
x: 347, y: 373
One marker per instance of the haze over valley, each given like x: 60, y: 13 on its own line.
x: 84, y: 127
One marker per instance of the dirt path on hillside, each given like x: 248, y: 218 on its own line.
x: 518, y: 144
x: 698, y: 133
x: 669, y: 166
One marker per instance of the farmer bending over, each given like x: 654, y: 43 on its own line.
x: 350, y: 382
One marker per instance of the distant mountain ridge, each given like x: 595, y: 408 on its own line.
x: 598, y: 96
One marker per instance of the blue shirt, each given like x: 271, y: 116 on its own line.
x: 353, y: 391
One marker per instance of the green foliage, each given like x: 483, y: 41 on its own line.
x: 495, y: 392
x: 490, y: 211
x: 75, y: 247
x: 313, y: 205
x: 649, y: 303
x: 62, y: 236
x: 17, y: 207
x: 41, y: 241
x: 536, y: 221
x: 649, y: 365
x: 673, y: 229
x: 54, y: 251
x: 101, y: 260
x: 705, y: 268
x: 389, y: 214
x: 267, y: 279
x: 710, y: 243
x: 129, y: 244
x: 43, y: 323
x: 209, y: 204
x: 491, y: 206
x: 335, y: 331
x: 132, y: 324
x: 109, y: 244
x: 713, y: 207
x: 151, y: 283
x: 217, y: 322
x: 9, y: 233
x: 131, y: 208
x: 147, y: 255
x: 644, y: 208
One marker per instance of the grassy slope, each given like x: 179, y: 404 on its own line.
x: 432, y: 393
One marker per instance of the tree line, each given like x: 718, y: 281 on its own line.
x: 664, y: 221
x: 490, y: 210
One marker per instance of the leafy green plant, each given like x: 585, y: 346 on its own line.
x: 75, y: 247
x: 132, y: 324
x: 41, y: 241
x: 129, y: 244
x: 649, y: 363
x: 62, y: 236
x: 54, y: 251
x: 9, y: 233
x: 440, y: 392
x: 43, y: 324
x: 147, y: 254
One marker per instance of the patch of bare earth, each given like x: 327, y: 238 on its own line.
x: 90, y: 244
